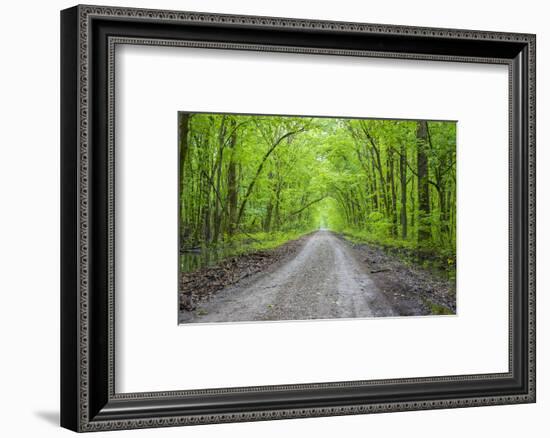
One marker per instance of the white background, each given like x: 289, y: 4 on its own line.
x: 154, y: 83
x: 29, y: 232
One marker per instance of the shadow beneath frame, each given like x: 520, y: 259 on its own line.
x: 51, y: 417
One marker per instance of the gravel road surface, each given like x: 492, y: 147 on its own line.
x: 324, y: 280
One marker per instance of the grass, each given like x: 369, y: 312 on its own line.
x: 264, y: 241
x: 440, y: 261
x: 356, y: 236
x: 437, y: 309
x: 241, y: 244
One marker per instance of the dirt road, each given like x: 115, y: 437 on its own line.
x: 323, y: 280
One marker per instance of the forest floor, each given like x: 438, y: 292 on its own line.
x: 319, y: 276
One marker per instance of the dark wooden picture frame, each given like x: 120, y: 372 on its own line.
x: 88, y: 37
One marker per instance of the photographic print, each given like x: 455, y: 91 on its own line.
x: 303, y: 218
x: 197, y: 179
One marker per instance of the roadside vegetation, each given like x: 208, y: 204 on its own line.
x: 250, y: 183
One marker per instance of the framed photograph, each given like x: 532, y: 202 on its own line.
x: 268, y: 218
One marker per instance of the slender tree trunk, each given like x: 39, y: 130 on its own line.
x: 217, y: 205
x: 277, y: 220
x: 452, y: 215
x: 382, y: 184
x: 443, y: 219
x: 413, y: 195
x: 353, y: 211
x: 403, y: 179
x: 375, y: 198
x: 393, y: 195
x: 232, y: 190
x: 268, y: 215
x: 218, y: 167
x: 424, y: 225
x: 206, y: 231
x: 377, y: 163
x: 198, y: 217
x: 183, y: 131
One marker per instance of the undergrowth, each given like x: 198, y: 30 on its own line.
x: 439, y: 260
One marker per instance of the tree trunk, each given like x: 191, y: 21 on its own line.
x: 183, y: 131
x: 382, y: 184
x: 218, y: 173
x: 374, y: 189
x: 413, y: 206
x: 232, y: 190
x: 268, y: 215
x: 277, y: 219
x: 403, y: 178
x: 424, y: 223
x: 393, y: 195
x: 206, y: 232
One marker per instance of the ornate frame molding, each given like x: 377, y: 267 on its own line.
x: 80, y: 387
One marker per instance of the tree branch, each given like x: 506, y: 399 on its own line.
x: 307, y: 206
x: 259, y: 170
x: 413, y: 171
x: 215, y: 190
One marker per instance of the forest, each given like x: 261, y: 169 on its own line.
x: 249, y: 181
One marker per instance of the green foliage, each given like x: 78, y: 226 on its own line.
x: 441, y: 262
x: 437, y: 309
x: 267, y: 179
x: 264, y: 241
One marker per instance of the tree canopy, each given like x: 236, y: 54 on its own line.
x: 391, y: 181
